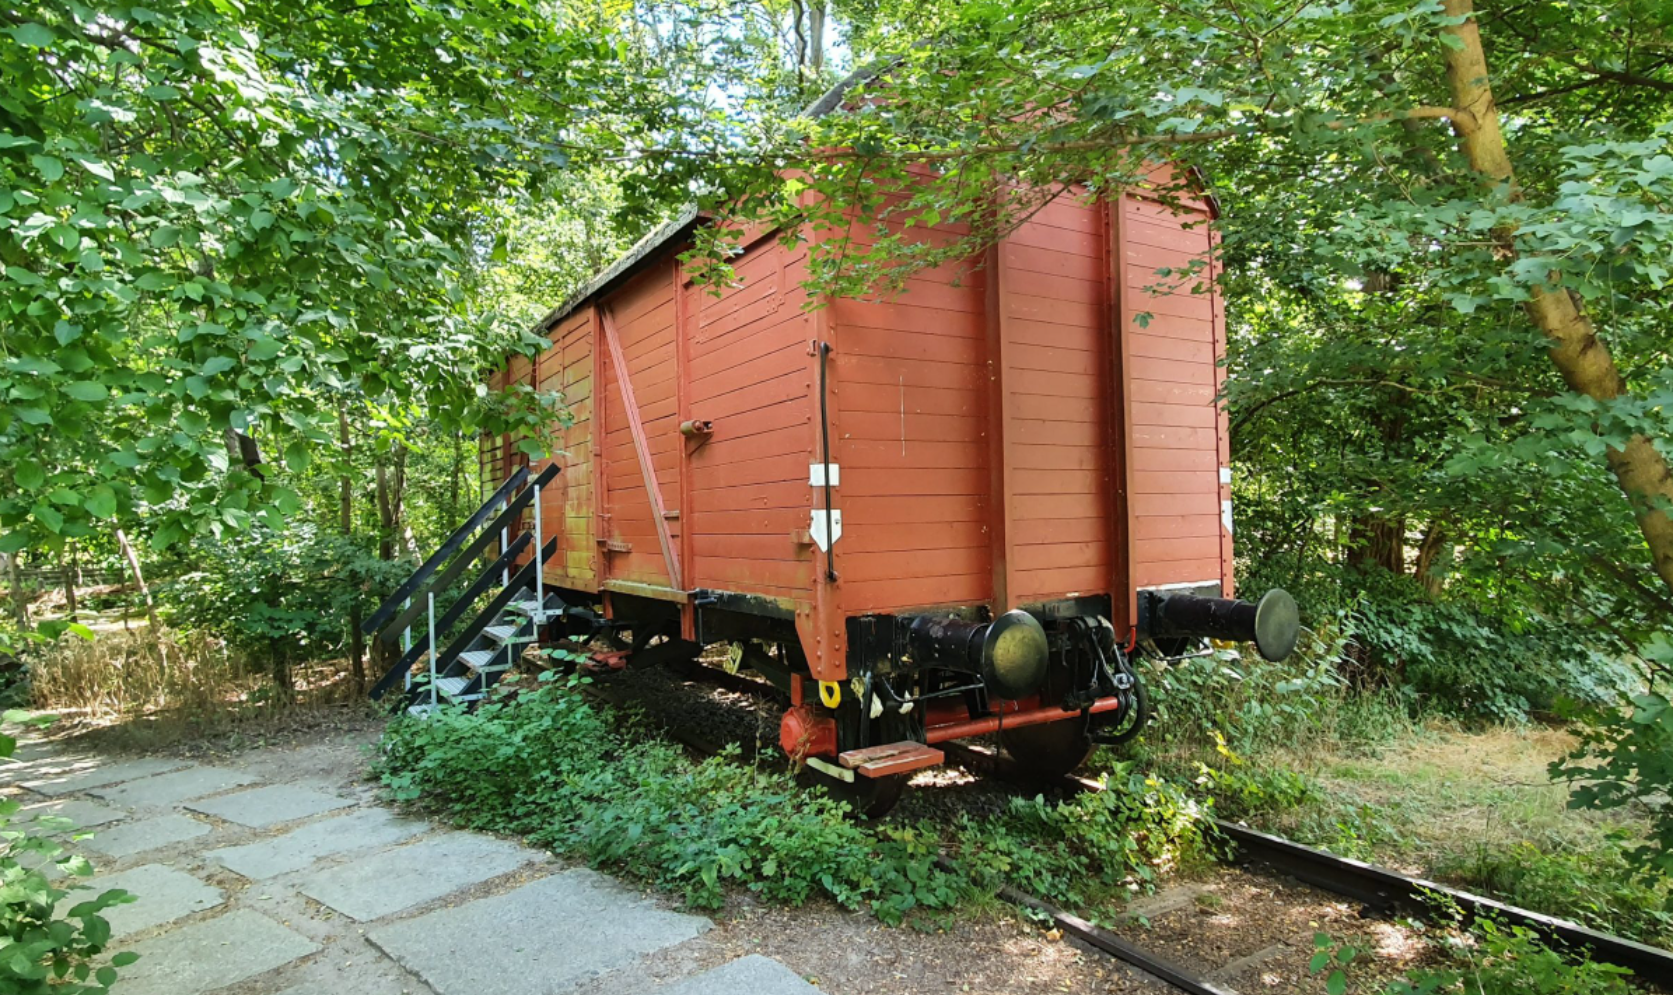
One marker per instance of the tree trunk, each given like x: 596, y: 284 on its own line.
x: 1429, y: 568
x: 145, y: 597
x: 68, y: 571
x: 20, y: 604
x: 392, y: 483
x: 386, y: 535
x: 1579, y: 355
x: 345, y: 500
x: 453, y: 488
x: 816, y: 36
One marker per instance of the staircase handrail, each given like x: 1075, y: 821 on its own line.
x: 513, y: 508
x: 518, y: 581
x: 489, y: 576
x: 411, y: 585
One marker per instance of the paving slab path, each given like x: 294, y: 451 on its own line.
x: 280, y: 874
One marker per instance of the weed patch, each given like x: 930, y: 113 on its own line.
x: 1595, y: 887
x: 585, y: 781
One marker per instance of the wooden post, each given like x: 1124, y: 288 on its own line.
x: 157, y: 635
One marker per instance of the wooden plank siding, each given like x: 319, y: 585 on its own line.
x: 747, y: 356
x: 1057, y: 362
x: 567, y: 505
x: 912, y: 376
x: 643, y: 315
x: 1008, y: 432
x: 1177, y: 433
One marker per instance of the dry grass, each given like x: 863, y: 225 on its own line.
x: 121, y: 679
x: 1452, y: 790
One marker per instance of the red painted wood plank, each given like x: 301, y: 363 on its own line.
x: 1183, y: 482
x: 890, y: 510
x: 631, y: 408
x: 894, y: 594
x: 1146, y: 574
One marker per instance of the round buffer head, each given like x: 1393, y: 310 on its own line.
x: 1277, y: 624
x: 1014, y: 655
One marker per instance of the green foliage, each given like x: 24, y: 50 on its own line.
x: 1597, y: 887
x: 1457, y: 658
x: 549, y: 765
x: 44, y: 948
x: 1332, y: 959
x: 1246, y: 703
x: 1241, y: 791
x: 1091, y: 847
x: 554, y: 767
x: 1625, y: 757
x: 280, y: 594
x: 1493, y: 959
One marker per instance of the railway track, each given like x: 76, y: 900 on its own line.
x: 1380, y: 892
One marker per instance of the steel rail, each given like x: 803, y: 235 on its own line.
x: 1388, y: 892
x: 1381, y: 890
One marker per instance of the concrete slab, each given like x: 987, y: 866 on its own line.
x: 411, y: 875
x: 170, y: 789
x: 164, y: 894
x: 145, y: 834
x: 82, y: 814
x: 541, y: 939
x: 212, y: 954
x: 297, y: 849
x: 259, y: 808
x: 752, y: 975
x: 99, y: 775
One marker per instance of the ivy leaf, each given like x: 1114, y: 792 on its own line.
x: 33, y: 35
x: 48, y: 516
x: 217, y: 364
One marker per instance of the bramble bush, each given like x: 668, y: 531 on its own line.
x: 577, y: 777
x: 42, y: 949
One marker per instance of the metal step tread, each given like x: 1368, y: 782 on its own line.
x: 452, y: 687
x: 554, y: 608
x: 501, y: 633
x: 484, y: 661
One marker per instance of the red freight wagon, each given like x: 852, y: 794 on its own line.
x: 955, y: 512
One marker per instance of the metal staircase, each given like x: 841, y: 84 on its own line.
x: 500, y: 633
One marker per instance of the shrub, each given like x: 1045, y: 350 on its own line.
x: 41, y: 949
x: 1091, y: 847
x: 554, y: 767
x: 1487, y: 959
x: 1477, y: 660
x: 1254, y: 703
x: 573, y: 776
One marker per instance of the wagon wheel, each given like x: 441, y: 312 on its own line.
x: 871, y: 798
x: 1049, y: 750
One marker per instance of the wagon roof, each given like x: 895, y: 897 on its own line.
x: 689, y: 215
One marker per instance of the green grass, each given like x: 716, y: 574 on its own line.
x: 1470, y: 807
